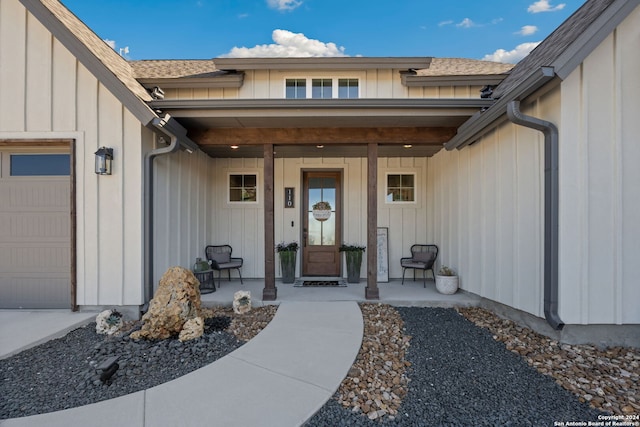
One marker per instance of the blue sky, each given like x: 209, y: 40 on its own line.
x: 503, y: 30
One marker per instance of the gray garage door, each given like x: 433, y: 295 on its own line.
x: 34, y: 229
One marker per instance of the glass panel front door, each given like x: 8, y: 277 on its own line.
x: 321, y: 233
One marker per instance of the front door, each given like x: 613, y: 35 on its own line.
x: 321, y: 230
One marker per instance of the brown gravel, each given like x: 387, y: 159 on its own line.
x: 244, y: 326
x: 376, y: 383
x: 609, y: 379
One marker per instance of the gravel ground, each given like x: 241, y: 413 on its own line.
x: 416, y: 367
x: 458, y: 375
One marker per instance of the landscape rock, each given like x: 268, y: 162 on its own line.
x: 192, y: 329
x: 176, y: 301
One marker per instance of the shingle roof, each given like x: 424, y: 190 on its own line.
x: 102, y: 51
x: 171, y: 69
x: 463, y: 67
x: 165, y: 69
x: 554, y: 45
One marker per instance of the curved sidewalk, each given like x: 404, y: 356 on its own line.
x: 279, y: 378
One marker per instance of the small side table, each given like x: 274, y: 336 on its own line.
x: 207, y: 284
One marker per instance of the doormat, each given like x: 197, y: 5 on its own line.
x: 320, y: 283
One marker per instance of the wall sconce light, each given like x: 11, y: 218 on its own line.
x: 104, y: 158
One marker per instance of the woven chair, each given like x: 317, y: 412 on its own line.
x: 219, y: 256
x: 422, y: 258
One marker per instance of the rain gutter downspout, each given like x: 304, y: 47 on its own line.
x: 551, y: 202
x: 174, y: 146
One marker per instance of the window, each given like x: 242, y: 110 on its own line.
x: 296, y: 88
x: 40, y: 165
x: 321, y: 88
x: 401, y: 188
x: 243, y: 188
x: 348, y: 88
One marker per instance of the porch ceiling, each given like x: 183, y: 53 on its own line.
x: 343, y: 127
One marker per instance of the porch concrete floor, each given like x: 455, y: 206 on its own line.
x: 411, y: 294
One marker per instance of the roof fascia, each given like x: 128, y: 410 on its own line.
x: 472, y: 80
x: 83, y: 54
x: 248, y: 104
x: 325, y: 63
x: 482, y: 122
x: 229, y: 81
x: 586, y: 43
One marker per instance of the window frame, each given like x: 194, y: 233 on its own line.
x: 241, y: 202
x: 335, y: 79
x: 415, y: 188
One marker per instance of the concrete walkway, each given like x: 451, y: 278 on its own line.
x: 279, y: 378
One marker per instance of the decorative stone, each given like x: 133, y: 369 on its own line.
x: 242, y: 302
x: 192, y: 329
x: 108, y: 322
x: 176, y: 301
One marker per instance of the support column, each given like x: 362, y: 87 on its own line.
x: 270, y: 292
x: 372, y: 291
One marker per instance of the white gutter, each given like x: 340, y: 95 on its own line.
x: 551, y: 190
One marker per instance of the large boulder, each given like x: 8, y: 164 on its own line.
x: 176, y: 301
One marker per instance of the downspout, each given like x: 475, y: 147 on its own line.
x: 551, y: 213
x: 173, y: 146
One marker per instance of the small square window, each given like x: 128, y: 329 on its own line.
x: 321, y: 88
x: 401, y: 188
x: 243, y: 188
x: 347, y: 88
x: 296, y: 88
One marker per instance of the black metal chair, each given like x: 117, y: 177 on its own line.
x: 219, y: 256
x: 422, y: 258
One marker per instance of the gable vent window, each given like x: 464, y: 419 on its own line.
x: 348, y: 88
x: 322, y: 88
x: 296, y: 88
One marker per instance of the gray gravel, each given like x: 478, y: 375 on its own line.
x: 460, y: 376
x: 61, y: 374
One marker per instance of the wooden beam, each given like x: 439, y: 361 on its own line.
x: 283, y: 136
x: 372, y: 291
x: 270, y: 292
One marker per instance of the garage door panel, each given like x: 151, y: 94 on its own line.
x: 35, y: 235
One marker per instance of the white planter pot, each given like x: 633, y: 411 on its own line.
x: 447, y: 284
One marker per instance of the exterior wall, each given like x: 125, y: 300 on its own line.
x: 183, y: 199
x: 485, y: 211
x: 46, y: 93
x: 242, y: 225
x: 270, y: 84
x: 599, y: 176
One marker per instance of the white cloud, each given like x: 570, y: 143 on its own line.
x: 443, y: 23
x: 544, y: 6
x: 527, y: 30
x: 287, y: 44
x: 284, y: 5
x: 111, y: 43
x: 466, y: 23
x: 511, y: 56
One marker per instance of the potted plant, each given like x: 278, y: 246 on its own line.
x: 353, y: 255
x: 287, y: 253
x: 321, y: 211
x: 446, y: 281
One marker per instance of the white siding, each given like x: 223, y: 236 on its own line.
x: 46, y: 93
x: 485, y: 212
x: 599, y: 176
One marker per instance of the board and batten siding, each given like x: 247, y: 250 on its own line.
x: 485, y: 211
x: 242, y: 225
x: 46, y: 93
x: 600, y: 183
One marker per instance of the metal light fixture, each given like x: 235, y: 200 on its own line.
x: 104, y: 158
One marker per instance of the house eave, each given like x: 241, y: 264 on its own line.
x: 229, y: 81
x: 328, y: 63
x: 411, y: 80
